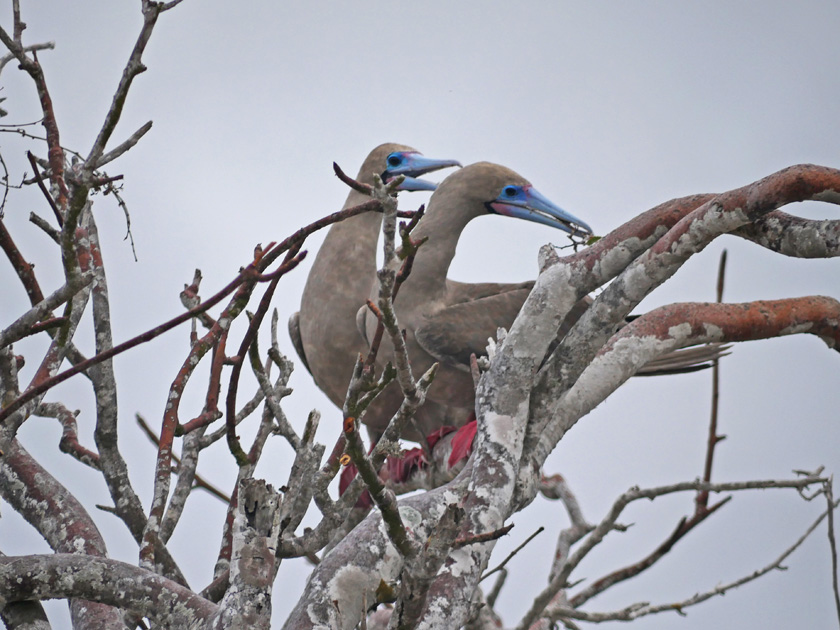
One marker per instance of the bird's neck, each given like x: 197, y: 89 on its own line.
x: 431, y: 265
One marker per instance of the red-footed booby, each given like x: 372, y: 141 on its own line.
x: 324, y: 331
x: 447, y: 321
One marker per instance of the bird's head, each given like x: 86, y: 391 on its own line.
x: 523, y: 201
x: 490, y: 188
x: 390, y: 160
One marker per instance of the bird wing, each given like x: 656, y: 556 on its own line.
x: 685, y: 360
x: 455, y: 332
x: 452, y: 334
x: 294, y: 333
x: 458, y: 292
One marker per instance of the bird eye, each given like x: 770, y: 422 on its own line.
x: 395, y: 159
x: 510, y: 191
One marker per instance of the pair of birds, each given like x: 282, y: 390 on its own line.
x: 445, y: 321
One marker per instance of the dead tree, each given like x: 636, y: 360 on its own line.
x: 427, y: 553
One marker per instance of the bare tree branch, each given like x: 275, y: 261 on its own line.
x: 110, y: 582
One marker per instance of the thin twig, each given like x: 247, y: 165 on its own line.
x: 482, y: 538
x: 702, y: 499
x: 49, y: 383
x: 365, y: 189
x: 511, y: 555
x: 493, y: 595
x: 31, y: 48
x: 642, y: 609
x: 116, y: 152
x: 43, y: 188
x: 199, y: 481
x: 829, y: 496
x: 607, y: 525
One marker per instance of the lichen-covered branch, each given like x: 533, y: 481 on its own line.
x: 107, y: 582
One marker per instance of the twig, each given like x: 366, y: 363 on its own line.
x: 365, y: 189
x: 248, y: 339
x: 642, y: 609
x: 55, y: 152
x: 44, y: 191
x: 274, y: 393
x: 19, y: 25
x: 23, y: 269
x: 37, y: 390
x: 116, y: 152
x: 199, y: 481
x: 511, y: 555
x: 556, y: 487
x: 482, y: 538
x: 31, y: 48
x: 829, y: 497
x: 133, y: 67
x: 110, y: 189
x: 634, y: 494
x: 382, y: 496
x: 625, y: 573
x: 493, y: 595
x: 6, y: 185
x: 39, y: 221
x: 702, y: 498
x: 69, y: 442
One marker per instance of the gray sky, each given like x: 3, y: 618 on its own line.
x: 608, y: 108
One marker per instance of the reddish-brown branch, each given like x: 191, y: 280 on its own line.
x: 230, y: 402
x: 301, y: 235
x: 292, y: 260
x: 199, y: 481
x: 54, y: 151
x: 252, y: 272
x: 365, y: 189
x: 47, y: 324
x: 748, y: 321
x: 29, y: 394
x: 642, y: 228
x: 482, y: 538
x: 39, y: 180
x: 24, y: 270
x: 249, y: 272
x: 170, y: 419
x: 801, y: 182
x: 69, y: 442
x: 214, y: 385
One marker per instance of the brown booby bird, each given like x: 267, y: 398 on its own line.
x: 324, y: 331
x: 447, y: 321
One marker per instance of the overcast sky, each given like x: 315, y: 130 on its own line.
x: 608, y: 108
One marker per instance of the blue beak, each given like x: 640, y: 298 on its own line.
x: 412, y: 164
x: 415, y: 184
x: 526, y: 202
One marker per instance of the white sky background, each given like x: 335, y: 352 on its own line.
x: 608, y: 108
